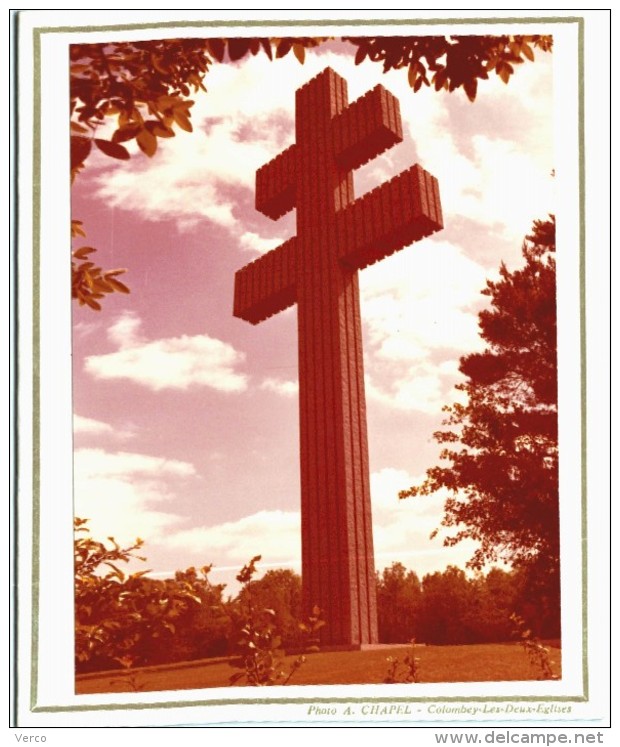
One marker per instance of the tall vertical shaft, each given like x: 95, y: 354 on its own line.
x: 337, y: 549
x: 318, y: 269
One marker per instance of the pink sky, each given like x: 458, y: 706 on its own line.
x: 186, y: 423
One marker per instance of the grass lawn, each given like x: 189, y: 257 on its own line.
x: 494, y: 662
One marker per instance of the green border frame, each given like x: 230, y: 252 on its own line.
x: 38, y: 32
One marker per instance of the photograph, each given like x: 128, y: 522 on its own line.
x: 307, y: 409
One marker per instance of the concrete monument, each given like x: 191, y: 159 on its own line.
x: 317, y: 269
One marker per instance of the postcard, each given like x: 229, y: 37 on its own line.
x: 312, y: 332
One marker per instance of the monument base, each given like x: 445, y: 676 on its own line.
x: 342, y: 647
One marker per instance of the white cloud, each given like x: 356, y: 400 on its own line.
x: 81, y: 330
x: 401, y: 533
x: 275, y: 535
x: 247, y: 117
x: 255, y: 243
x: 513, y: 189
x: 125, y: 332
x: 286, y: 388
x: 91, y: 427
x: 421, y: 389
x: 116, y: 492
x: 402, y: 528
x: 500, y: 178
x: 419, y: 319
x: 170, y: 363
x: 239, y: 125
x: 122, y: 463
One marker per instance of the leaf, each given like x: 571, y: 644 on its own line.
x: 126, y: 132
x: 505, y: 70
x: 412, y: 74
x: 117, y: 285
x: 77, y: 230
x: 182, y: 120
x: 299, y: 52
x: 147, y: 142
x: 361, y: 53
x: 217, y: 48
x: 180, y: 104
x: 440, y: 78
x: 515, y: 48
x: 92, y: 303
x: 284, y: 47
x: 159, y: 129
x: 266, y: 45
x: 238, y: 48
x: 83, y: 252
x: 471, y: 86
x: 527, y: 51
x: 156, y: 60
x: 80, y: 148
x: 114, y: 150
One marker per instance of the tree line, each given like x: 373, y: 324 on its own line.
x: 134, y: 620
x: 450, y: 607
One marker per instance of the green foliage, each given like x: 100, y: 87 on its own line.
x: 310, y: 628
x: 260, y: 653
x: 89, y: 283
x: 144, y: 87
x: 131, y: 681
x: 406, y: 670
x: 538, y: 654
x: 501, y: 446
x: 447, y: 602
x: 130, y: 619
x: 398, y: 604
x: 280, y: 591
x: 451, y: 62
x: 260, y: 658
x: 495, y: 598
x: 447, y: 607
x: 203, y: 629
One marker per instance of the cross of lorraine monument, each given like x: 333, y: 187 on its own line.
x: 337, y: 235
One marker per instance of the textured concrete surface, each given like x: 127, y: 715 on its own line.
x: 337, y: 235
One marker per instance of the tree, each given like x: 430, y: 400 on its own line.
x: 259, y: 646
x: 447, y: 599
x: 501, y: 446
x: 278, y: 590
x: 145, y: 87
x: 398, y: 602
x: 452, y: 62
x: 202, y: 630
x: 493, y: 600
x: 129, y: 619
